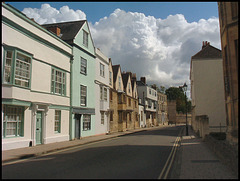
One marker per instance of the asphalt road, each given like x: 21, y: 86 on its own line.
x: 140, y: 155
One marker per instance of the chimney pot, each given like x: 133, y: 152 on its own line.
x: 143, y: 79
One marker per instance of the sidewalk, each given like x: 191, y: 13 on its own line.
x: 21, y: 153
x: 199, y: 162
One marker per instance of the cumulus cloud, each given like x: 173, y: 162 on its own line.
x: 47, y: 14
x: 159, y: 49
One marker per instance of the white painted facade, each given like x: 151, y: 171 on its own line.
x: 46, y: 52
x: 101, y: 93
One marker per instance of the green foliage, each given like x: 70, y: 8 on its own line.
x: 176, y: 93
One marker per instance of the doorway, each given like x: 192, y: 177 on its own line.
x: 39, y: 128
x: 77, y: 126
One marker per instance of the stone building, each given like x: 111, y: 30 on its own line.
x: 162, y: 117
x: 171, y: 107
x: 228, y: 21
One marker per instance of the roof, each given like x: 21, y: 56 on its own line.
x: 140, y: 83
x: 68, y: 29
x: 125, y: 79
x: 208, y: 52
x: 115, y: 72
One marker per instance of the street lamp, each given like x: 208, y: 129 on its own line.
x: 185, y: 90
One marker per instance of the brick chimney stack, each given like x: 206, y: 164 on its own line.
x: 143, y: 79
x: 134, y: 77
x: 55, y: 30
x: 205, y: 43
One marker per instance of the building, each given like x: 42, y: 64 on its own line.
x: 35, y: 83
x: 162, y: 116
x: 207, y: 88
x: 148, y: 97
x: 130, y: 90
x: 102, y: 124
x: 228, y: 21
x: 77, y: 34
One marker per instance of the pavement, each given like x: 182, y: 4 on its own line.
x: 27, y: 152
x: 195, y: 159
x: 198, y: 161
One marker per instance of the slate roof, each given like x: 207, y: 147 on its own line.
x: 68, y: 29
x: 208, y: 52
x: 125, y: 79
x: 115, y: 72
x: 140, y: 83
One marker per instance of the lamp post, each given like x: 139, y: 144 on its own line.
x: 185, y: 90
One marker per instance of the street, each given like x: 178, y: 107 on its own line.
x: 140, y: 155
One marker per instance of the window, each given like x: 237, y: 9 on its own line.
x: 130, y: 116
x: 119, y: 98
x: 129, y: 90
x: 119, y: 82
x: 83, y: 69
x: 12, y: 121
x: 105, y: 93
x: 85, y: 38
x: 101, y: 70
x: 110, y: 78
x: 58, y: 82
x: 110, y: 95
x: 22, y: 72
x: 129, y: 101
x: 8, y: 66
x: 86, y: 122
x: 101, y: 93
x: 102, y: 117
x: 83, y: 90
x: 150, y: 91
x: 57, y: 127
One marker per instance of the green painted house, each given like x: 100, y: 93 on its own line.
x: 82, y: 114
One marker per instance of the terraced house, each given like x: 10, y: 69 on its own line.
x: 77, y: 34
x: 102, y: 124
x: 35, y: 83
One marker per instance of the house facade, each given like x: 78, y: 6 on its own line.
x: 35, y: 83
x: 82, y: 117
x: 228, y: 22
x: 207, y: 88
x: 102, y: 123
x: 162, y: 117
x: 148, y: 96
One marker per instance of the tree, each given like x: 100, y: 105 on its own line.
x: 176, y: 93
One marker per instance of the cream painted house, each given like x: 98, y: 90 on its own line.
x: 207, y: 88
x: 35, y: 83
x: 101, y: 93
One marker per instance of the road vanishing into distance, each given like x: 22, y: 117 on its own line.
x: 141, y: 155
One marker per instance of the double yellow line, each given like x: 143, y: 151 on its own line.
x: 168, y: 164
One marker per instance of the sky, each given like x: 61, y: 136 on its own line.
x: 152, y: 39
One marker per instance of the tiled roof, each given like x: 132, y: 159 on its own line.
x: 208, y: 52
x: 68, y: 29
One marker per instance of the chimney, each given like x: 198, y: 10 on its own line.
x: 134, y: 77
x: 205, y: 43
x: 124, y: 72
x: 154, y: 86
x: 143, y: 79
x: 55, y: 30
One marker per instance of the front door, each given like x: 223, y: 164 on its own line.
x: 39, y: 128
x: 77, y: 126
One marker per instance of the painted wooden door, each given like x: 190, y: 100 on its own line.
x: 39, y: 128
x: 78, y: 126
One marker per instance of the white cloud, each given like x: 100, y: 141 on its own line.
x: 47, y: 14
x: 159, y: 49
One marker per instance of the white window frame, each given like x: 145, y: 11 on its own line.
x: 58, y: 82
x: 83, y: 66
x: 102, y: 118
x: 85, y: 38
x: 102, y: 70
x: 57, y: 122
x: 83, y: 95
x: 86, y: 122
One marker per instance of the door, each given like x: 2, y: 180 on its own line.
x: 39, y: 128
x: 77, y: 126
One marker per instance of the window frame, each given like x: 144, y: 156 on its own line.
x: 12, y: 74
x: 83, y: 96
x: 85, y: 38
x: 59, y: 121
x: 86, y: 122
x: 102, y: 70
x: 54, y: 82
x: 82, y: 66
x: 19, y: 130
x: 102, y: 117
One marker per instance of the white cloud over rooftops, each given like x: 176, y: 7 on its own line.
x: 159, y: 49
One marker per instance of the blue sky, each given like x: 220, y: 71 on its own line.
x: 193, y: 11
